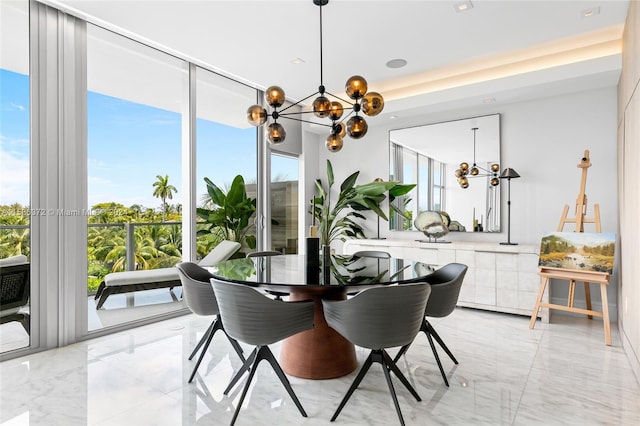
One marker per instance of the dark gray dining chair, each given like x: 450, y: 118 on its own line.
x: 378, y: 318
x: 445, y: 288
x: 201, y: 300
x: 268, y: 253
x: 255, y: 319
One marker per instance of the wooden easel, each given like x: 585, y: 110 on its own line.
x: 581, y: 203
x: 571, y: 275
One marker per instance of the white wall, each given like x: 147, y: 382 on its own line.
x: 544, y: 140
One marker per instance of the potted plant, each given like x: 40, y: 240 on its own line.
x: 340, y: 221
x: 231, y: 215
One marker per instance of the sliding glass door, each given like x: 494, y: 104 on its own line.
x: 134, y: 122
x: 15, y: 212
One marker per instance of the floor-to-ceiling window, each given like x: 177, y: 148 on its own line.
x: 134, y: 126
x: 15, y: 209
x: 225, y: 152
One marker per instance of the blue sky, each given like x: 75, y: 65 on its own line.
x: 129, y: 145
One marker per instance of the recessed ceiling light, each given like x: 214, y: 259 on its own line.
x: 297, y: 61
x: 586, y: 13
x: 463, y: 6
x: 396, y: 63
x: 393, y: 117
x: 488, y: 100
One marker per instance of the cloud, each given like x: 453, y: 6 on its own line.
x: 14, y: 177
x: 13, y: 106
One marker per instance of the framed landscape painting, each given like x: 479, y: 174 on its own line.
x: 583, y: 251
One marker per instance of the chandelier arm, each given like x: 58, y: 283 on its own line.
x: 345, y: 117
x: 297, y: 103
x: 338, y: 97
x: 306, y: 121
x: 296, y: 113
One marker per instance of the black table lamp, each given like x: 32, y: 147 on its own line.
x: 509, y: 174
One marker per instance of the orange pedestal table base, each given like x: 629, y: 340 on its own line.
x: 320, y: 353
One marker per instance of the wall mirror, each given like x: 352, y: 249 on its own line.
x: 429, y: 156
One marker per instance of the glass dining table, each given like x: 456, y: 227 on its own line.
x: 320, y: 353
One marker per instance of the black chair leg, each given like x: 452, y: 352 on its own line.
x: 268, y: 355
x: 263, y: 352
x: 202, y: 340
x: 424, y: 327
x: 245, y: 367
x: 387, y: 376
x: 252, y: 371
x: 401, y: 352
x: 391, y: 365
x: 204, y: 350
x: 435, y: 335
x: 435, y: 354
x: 354, y: 385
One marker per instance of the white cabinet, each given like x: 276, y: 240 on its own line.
x: 500, y: 278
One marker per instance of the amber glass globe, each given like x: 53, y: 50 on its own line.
x: 339, y: 129
x: 256, y: 115
x: 321, y: 106
x: 276, y: 133
x: 495, y: 181
x: 334, y: 142
x: 357, y: 127
x: 464, y: 167
x: 356, y: 87
x: 372, y: 103
x: 336, y: 111
x: 274, y: 96
x: 474, y: 171
x: 458, y: 173
x: 464, y: 182
x: 495, y: 167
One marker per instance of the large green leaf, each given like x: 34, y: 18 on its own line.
x: 237, y: 193
x: 349, y: 182
x: 330, y: 177
x: 374, y: 188
x: 401, y: 189
x: 217, y: 196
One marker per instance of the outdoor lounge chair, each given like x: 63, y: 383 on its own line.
x: 14, y: 291
x: 148, y: 279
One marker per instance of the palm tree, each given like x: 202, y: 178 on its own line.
x: 163, y: 191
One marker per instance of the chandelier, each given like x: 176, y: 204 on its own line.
x: 369, y: 103
x: 464, y: 172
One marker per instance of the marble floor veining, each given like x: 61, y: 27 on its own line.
x: 557, y: 374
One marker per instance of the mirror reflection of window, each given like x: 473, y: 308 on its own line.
x: 429, y: 155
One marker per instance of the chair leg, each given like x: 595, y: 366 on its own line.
x: 354, y: 386
x: 263, y: 352
x: 435, y: 354
x: 424, y: 327
x: 245, y: 367
x: 435, y: 335
x: 391, y: 365
x: 204, y: 351
x: 392, y: 390
x: 202, y: 340
x: 401, y: 352
x: 252, y: 371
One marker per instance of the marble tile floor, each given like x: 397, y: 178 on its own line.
x: 557, y: 374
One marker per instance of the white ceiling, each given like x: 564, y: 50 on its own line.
x: 506, y: 50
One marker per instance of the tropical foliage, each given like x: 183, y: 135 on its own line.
x: 341, y: 220
x: 163, y: 190
x: 230, y: 215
